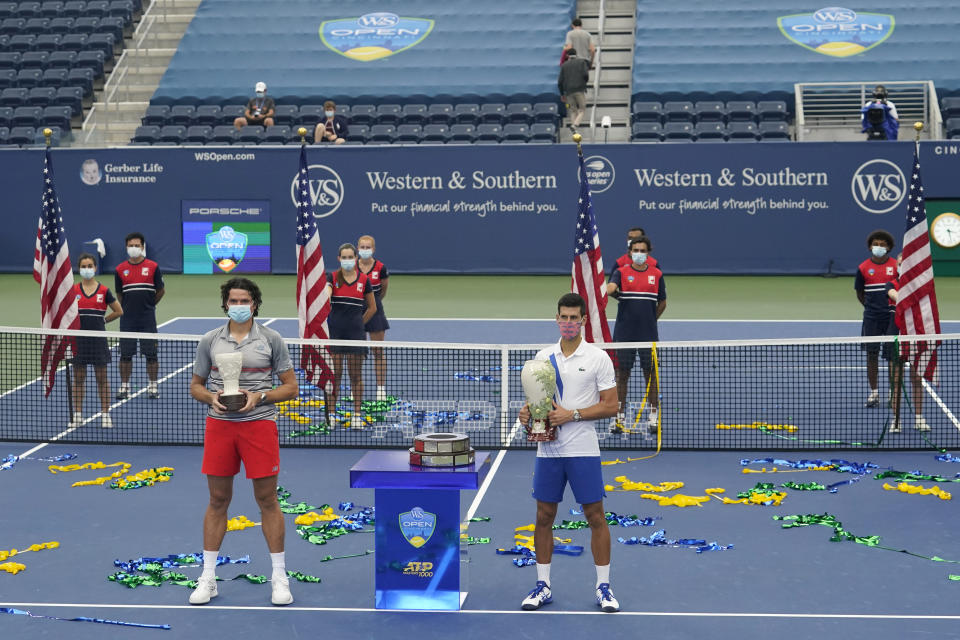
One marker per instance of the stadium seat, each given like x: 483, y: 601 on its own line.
x: 710, y: 111
x: 546, y: 112
x: 647, y: 112
x: 36, y: 25
x: 546, y: 131
x: 382, y: 134
x: 95, y: 8
x: 85, y: 24
x: 674, y: 130
x: 463, y: 132
x: 309, y: 115
x: 13, y: 97
x: 181, y: 114
x: 950, y: 107
x: 28, y: 9
x: 51, y: 9
x: 408, y: 133
x: 277, y: 134
x: 286, y: 114
x: 774, y: 131
x: 230, y: 112
x: 71, y: 96
x: 13, y: 26
x: 4, y: 132
x: 772, y: 111
x: 104, y: 42
x: 72, y: 9
x: 114, y: 26
x: 489, y: 131
x: 6, y: 116
x: 389, y: 114
x: 92, y: 60
x: 435, y: 133
x: 121, y: 9
x: 519, y: 113
x: 516, y: 132
x: 156, y: 114
x: 206, y: 114
x: 223, y: 134
x: 61, y: 60
x: 492, y: 112
x: 74, y: 42
x: 48, y: 42
x: 146, y: 133
x: 29, y: 78
x: 10, y: 60
x: 440, y: 113
x: 250, y: 134
x: 81, y: 78
x: 42, y: 96
x: 365, y: 114
x: 708, y: 129
x: 414, y: 114
x: 678, y: 111
x: 23, y: 42
x: 57, y: 117
x: 61, y: 25
x: 22, y: 135
x: 172, y: 133
x: 8, y: 78
x: 951, y: 127
x: 8, y: 9
x: 741, y: 111
x: 357, y: 133
x: 739, y: 130
x: 646, y: 131
x: 487, y: 140
x: 34, y: 60
x: 466, y: 113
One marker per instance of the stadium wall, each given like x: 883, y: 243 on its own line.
x: 750, y: 208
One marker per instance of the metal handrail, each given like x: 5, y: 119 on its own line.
x: 601, y: 20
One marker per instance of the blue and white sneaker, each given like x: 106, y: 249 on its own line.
x: 540, y: 596
x: 605, y: 599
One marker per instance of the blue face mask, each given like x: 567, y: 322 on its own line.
x: 639, y: 257
x: 366, y: 254
x: 348, y: 265
x: 329, y: 114
x: 87, y: 273
x: 878, y: 251
x: 239, y: 312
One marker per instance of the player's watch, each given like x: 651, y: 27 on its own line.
x: 263, y: 396
x: 576, y: 415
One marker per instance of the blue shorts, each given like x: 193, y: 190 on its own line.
x: 550, y: 477
x: 885, y: 326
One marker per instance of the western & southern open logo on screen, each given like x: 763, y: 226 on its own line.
x: 417, y: 526
x: 374, y: 35
x: 226, y: 248
x: 326, y: 190
x: 837, y: 31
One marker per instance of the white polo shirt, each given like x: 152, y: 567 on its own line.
x: 580, y: 379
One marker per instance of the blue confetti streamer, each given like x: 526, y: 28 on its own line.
x: 842, y: 466
x: 21, y: 612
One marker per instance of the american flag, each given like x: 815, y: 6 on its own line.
x: 53, y: 270
x: 313, y: 301
x: 917, y: 312
x: 588, y: 278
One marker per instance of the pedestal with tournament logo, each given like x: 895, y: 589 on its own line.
x: 419, y: 561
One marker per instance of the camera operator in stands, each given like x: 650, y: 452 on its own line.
x: 260, y: 109
x: 879, y: 116
x: 333, y: 128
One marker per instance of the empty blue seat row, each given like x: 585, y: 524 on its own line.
x: 710, y: 111
x: 17, y: 83
x: 71, y: 9
x: 45, y: 60
x: 715, y: 131
x: 377, y: 134
x: 950, y: 107
x: 104, y: 42
x: 70, y: 97
x: 50, y: 116
x: 24, y: 136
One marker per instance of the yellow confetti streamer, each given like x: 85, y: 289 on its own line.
x: 124, y: 467
x: 4, y: 554
x: 628, y: 485
x: 758, y: 498
x: 239, y: 523
x: 790, y: 428
x: 148, y: 476
x: 524, y: 541
x: 775, y: 470
x: 309, y: 518
x: 12, y: 567
x: 906, y: 487
x: 677, y: 500
x: 526, y: 527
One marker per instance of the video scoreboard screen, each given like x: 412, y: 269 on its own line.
x: 226, y: 236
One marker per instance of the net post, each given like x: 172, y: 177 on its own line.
x: 505, y: 396
x: 897, y: 384
x: 66, y: 368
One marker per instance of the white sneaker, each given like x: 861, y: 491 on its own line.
x: 605, y: 599
x: 894, y: 428
x: 921, y: 424
x: 123, y: 392
x: 540, y: 596
x: 873, y: 399
x: 206, y: 589
x: 652, y: 421
x: 75, y: 420
x: 152, y: 391
x: 105, y: 421
x: 381, y: 394
x: 281, y: 591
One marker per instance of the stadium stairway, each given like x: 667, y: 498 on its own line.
x: 126, y: 94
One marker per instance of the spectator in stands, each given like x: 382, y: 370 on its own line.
x: 333, y: 128
x: 377, y: 327
x: 260, y: 109
x: 247, y: 435
x: 93, y: 300
x: 572, y: 83
x: 580, y: 41
x: 139, y: 286
x: 879, y: 116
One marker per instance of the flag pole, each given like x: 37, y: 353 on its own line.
x: 302, y: 132
x: 578, y: 138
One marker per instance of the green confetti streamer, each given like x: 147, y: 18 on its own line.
x: 805, y: 486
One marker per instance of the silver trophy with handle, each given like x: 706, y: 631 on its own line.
x: 539, y: 386
x: 230, y: 365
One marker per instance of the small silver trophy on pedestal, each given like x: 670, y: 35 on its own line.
x: 539, y: 385
x: 230, y: 365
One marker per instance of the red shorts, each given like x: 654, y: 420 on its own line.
x: 226, y: 443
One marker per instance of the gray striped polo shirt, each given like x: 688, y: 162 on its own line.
x: 264, y: 354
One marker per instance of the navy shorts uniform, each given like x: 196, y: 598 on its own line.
x: 139, y: 284
x: 91, y: 310
x: 346, y: 312
x: 640, y: 293
x: 584, y: 474
x: 377, y: 276
x: 875, y: 281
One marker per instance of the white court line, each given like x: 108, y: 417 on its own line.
x: 483, y: 488
x: 669, y: 614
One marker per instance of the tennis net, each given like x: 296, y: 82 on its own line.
x: 740, y: 395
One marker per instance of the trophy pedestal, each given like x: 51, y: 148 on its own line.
x: 233, y: 401
x: 420, y: 561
